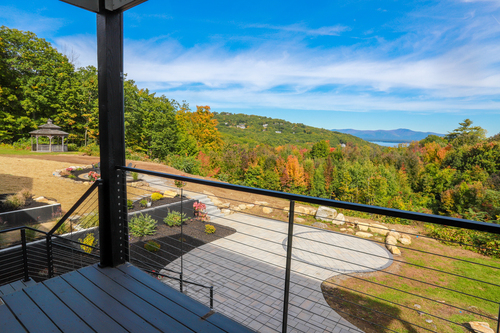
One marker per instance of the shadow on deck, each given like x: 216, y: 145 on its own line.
x: 121, y: 299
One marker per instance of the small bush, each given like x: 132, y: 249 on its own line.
x: 130, y: 204
x: 72, y: 147
x: 15, y: 201
x: 152, y: 246
x: 91, y: 149
x: 174, y: 218
x: 90, y: 220
x: 156, y: 196
x: 72, y: 176
x: 88, y: 241
x: 144, y: 203
x: 135, y: 176
x: 209, y: 229
x: 26, y: 194
x: 31, y: 234
x: 141, y: 225
x: 64, y: 228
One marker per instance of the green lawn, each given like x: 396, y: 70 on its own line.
x: 12, y: 151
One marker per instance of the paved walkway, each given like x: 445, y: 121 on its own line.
x: 247, y: 271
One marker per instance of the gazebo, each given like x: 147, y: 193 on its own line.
x: 51, y: 131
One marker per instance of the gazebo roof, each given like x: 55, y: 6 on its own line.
x: 49, y: 129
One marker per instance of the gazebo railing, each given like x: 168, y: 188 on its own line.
x: 47, y: 148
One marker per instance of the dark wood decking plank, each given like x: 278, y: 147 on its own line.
x: 61, y: 315
x: 17, y: 285
x: 179, y: 298
x: 89, y: 313
x: 148, y: 312
x: 28, y: 313
x: 128, y: 319
x: 6, y: 289
x: 164, y: 304
x: 8, y: 322
x: 224, y: 323
x: 29, y: 283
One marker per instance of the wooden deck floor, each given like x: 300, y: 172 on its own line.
x: 93, y: 299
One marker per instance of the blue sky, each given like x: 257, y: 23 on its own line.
x: 422, y: 65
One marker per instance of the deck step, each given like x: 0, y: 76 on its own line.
x: 15, y: 286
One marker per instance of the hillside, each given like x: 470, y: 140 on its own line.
x: 397, y: 135
x: 255, y: 130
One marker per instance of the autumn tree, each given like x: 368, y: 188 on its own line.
x: 202, y: 126
x: 466, y: 134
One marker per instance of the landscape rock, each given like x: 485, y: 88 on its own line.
x: 362, y: 227
x: 394, y: 234
x: 226, y: 211
x: 394, y: 250
x: 405, y: 240
x: 325, y: 214
x: 364, y: 234
x: 391, y: 240
x: 236, y: 209
x: 169, y: 194
x: 286, y: 209
x: 379, y: 229
x: 319, y: 225
x: 343, y: 229
x: 418, y: 306
x: 242, y: 206
x: 339, y: 220
x: 350, y: 230
x: 250, y: 206
x: 217, y: 202
x: 299, y: 220
x: 39, y: 199
x: 261, y: 203
x: 267, y: 210
x: 480, y: 327
x: 225, y: 205
x: 301, y: 210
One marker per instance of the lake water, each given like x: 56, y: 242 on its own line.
x: 387, y: 144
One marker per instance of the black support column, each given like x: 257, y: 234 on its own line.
x: 112, y: 209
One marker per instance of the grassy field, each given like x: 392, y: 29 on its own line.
x: 13, y: 151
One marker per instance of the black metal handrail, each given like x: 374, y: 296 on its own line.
x: 429, y: 218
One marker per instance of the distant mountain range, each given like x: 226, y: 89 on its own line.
x: 397, y: 135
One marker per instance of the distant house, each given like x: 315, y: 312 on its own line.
x: 342, y: 145
x: 265, y: 125
x: 279, y: 132
x: 242, y: 126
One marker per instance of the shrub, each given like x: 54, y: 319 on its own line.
x: 90, y: 220
x: 156, y: 196
x: 72, y: 147
x: 143, y: 203
x: 26, y: 194
x: 91, y: 149
x: 93, y: 176
x: 209, y: 229
x: 152, y: 246
x: 135, y: 175
x: 15, y: 201
x: 130, y: 204
x: 199, y: 211
x: 174, y: 218
x: 87, y: 242
x: 64, y: 228
x: 31, y: 234
x: 188, y: 164
x: 73, y: 177
x: 141, y: 225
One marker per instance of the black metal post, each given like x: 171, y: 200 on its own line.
x: 288, y: 267
x: 50, y: 259
x: 180, y: 282
x: 211, y: 297
x: 112, y: 224
x: 25, y: 255
x: 182, y: 241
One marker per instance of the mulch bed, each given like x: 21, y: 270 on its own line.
x: 163, y: 201
x: 169, y: 239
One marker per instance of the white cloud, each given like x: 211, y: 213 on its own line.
x: 335, y: 30
x: 26, y: 21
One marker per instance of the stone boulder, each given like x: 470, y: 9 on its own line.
x: 250, y: 206
x: 394, y: 250
x: 480, y: 327
x: 226, y: 211
x: 391, y: 240
x: 261, y: 203
x: 242, y: 206
x: 405, y: 240
x: 364, y: 234
x: 325, y: 214
x: 217, y: 202
x: 363, y: 227
x: 299, y: 220
x: 394, y: 234
x: 319, y: 225
x: 301, y: 210
x: 225, y: 205
x: 267, y: 210
x: 379, y: 229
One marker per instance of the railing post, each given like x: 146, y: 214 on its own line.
x: 25, y: 255
x: 211, y: 297
x: 180, y: 282
x: 182, y: 240
x: 50, y: 261
x: 288, y: 267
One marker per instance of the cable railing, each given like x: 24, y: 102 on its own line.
x: 40, y: 252
x: 281, y: 269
